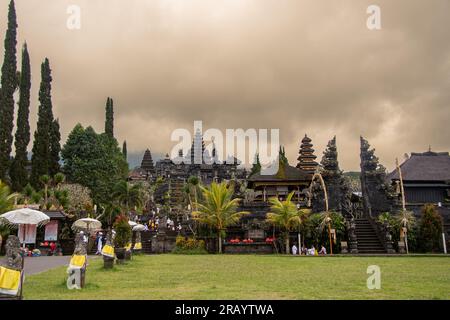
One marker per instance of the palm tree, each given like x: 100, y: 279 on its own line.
x: 218, y: 208
x: 7, y: 200
x: 286, y: 216
x: 45, y: 180
x: 128, y: 195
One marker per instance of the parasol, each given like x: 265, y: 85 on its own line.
x: 87, y: 224
x: 139, y: 227
x: 25, y: 217
x: 132, y: 223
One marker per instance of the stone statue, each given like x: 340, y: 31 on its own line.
x: 13, y: 254
x: 80, y: 244
x: 109, y: 238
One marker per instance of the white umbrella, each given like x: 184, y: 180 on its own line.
x: 87, y: 224
x: 24, y: 216
x: 139, y: 227
x: 132, y: 223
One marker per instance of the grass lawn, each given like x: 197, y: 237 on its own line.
x: 172, y: 276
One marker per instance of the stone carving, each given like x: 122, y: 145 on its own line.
x: 353, y: 243
x: 13, y: 253
x: 377, y: 194
x: 80, y: 244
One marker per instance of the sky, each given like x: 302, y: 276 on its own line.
x: 301, y: 66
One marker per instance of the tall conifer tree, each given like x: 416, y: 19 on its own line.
x: 8, y: 87
x: 124, y: 150
x: 109, y: 121
x: 55, y: 148
x: 41, y: 158
x: 18, y: 171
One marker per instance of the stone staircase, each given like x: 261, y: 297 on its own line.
x: 368, y: 241
x: 146, y: 239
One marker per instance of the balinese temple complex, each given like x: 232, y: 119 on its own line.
x: 426, y: 178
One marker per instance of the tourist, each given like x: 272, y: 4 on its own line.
x: 312, y: 251
x: 294, y: 250
x: 99, y: 241
x: 323, y: 251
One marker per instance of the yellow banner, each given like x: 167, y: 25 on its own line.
x: 108, y: 251
x: 9, y: 281
x: 77, y: 261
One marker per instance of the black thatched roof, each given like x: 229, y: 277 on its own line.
x: 427, y: 166
x: 289, y: 173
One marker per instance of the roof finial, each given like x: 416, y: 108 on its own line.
x: 429, y: 148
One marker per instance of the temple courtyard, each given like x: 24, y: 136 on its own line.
x: 256, y: 277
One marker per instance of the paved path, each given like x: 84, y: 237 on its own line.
x: 40, y: 264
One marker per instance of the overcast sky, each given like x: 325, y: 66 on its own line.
x: 301, y: 66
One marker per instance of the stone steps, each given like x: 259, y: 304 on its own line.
x: 367, y: 238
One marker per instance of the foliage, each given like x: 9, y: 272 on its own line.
x: 218, y: 209
x: 18, y: 171
x: 6, y: 198
x: 129, y: 195
x: 79, y: 198
x: 123, y: 231
x: 109, y: 214
x: 189, y: 246
x: 8, y: 83
x: 95, y: 161
x: 430, y: 229
x: 44, y: 159
x: 109, y: 118
x: 316, y: 233
x: 286, y: 216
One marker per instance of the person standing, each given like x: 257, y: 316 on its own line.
x: 294, y: 250
x: 99, y: 243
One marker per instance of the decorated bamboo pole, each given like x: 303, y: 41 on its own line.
x: 402, y: 192
x: 322, y: 183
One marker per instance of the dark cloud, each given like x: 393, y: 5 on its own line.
x: 301, y: 66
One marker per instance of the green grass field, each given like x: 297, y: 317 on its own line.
x: 250, y: 277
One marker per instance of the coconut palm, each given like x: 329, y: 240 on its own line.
x: 128, y: 195
x: 45, y: 180
x: 7, y: 199
x: 218, y: 209
x: 286, y: 216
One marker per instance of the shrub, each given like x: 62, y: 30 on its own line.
x: 123, y: 231
x: 430, y: 229
x: 189, y: 246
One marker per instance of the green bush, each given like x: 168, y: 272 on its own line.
x: 430, y: 229
x: 189, y: 246
x: 123, y: 231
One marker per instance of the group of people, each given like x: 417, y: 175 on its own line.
x: 309, y: 251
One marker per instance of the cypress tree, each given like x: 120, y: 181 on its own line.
x: 124, y: 150
x: 109, y: 121
x: 18, y: 172
x: 8, y: 87
x: 41, y: 159
x: 55, y: 148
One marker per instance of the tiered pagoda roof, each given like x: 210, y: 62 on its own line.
x: 306, y: 158
x: 147, y: 162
